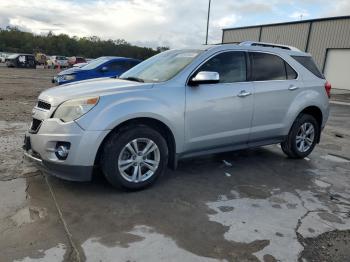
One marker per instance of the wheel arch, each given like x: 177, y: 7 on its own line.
x: 316, y: 112
x: 156, y: 124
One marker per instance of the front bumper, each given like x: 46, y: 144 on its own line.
x: 71, y: 173
x: 40, y: 148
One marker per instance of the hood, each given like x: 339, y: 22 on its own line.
x: 94, y: 87
x: 70, y: 71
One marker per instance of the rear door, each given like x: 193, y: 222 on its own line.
x: 275, y: 88
x: 220, y: 114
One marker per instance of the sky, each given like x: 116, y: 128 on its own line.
x: 152, y: 23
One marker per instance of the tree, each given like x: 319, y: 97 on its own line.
x: 14, y: 40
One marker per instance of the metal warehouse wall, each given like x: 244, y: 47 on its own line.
x: 239, y: 35
x: 294, y: 34
x: 328, y: 34
x: 313, y: 36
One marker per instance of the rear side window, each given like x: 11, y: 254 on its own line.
x: 231, y: 67
x: 119, y: 66
x: 267, y: 67
x: 309, y: 64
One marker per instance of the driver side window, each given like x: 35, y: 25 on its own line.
x: 231, y: 67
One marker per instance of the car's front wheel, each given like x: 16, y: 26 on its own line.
x: 134, y: 157
x: 302, y: 137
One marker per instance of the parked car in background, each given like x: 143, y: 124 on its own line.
x: 58, y: 61
x: 80, y: 64
x: 106, y: 66
x: 21, y: 61
x: 3, y: 57
x: 178, y: 104
x: 75, y: 60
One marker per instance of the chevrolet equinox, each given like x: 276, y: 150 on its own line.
x: 178, y: 104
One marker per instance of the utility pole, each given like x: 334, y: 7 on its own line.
x: 206, y: 37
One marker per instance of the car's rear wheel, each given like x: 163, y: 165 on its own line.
x: 134, y: 157
x: 302, y: 137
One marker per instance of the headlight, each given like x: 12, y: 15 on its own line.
x: 68, y: 77
x: 73, y: 109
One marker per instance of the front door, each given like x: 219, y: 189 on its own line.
x: 220, y: 114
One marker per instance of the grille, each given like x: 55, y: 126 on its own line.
x: 43, y: 105
x: 34, y: 127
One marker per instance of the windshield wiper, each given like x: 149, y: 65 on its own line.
x: 132, y: 78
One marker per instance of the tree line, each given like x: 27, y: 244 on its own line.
x: 15, y: 41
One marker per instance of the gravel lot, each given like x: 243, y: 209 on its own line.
x: 248, y: 205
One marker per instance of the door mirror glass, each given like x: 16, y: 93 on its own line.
x: 205, y: 77
x: 104, y: 69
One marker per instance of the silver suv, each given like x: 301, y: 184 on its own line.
x: 178, y: 104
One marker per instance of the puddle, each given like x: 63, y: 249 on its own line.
x: 321, y: 183
x: 152, y: 247
x: 55, y: 254
x: 275, y: 218
x: 335, y: 158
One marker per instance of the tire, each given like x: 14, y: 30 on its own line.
x: 299, y: 144
x: 117, y: 155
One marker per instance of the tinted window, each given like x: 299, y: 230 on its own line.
x: 267, y: 67
x: 291, y: 74
x: 309, y: 64
x: 116, y: 66
x: 119, y: 66
x: 231, y: 67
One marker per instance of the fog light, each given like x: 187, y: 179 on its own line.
x: 62, y: 150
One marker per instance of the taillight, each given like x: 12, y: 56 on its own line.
x: 328, y: 88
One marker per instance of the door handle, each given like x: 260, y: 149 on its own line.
x: 292, y: 87
x: 244, y: 93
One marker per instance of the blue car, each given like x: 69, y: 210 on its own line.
x: 105, y: 66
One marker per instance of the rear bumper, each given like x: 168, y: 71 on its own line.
x: 66, y: 172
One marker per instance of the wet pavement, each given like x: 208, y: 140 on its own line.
x: 248, y: 205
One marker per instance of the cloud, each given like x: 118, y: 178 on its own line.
x: 149, y: 22
x: 300, y: 14
x: 341, y: 8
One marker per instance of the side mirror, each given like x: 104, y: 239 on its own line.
x: 205, y: 77
x: 104, y: 69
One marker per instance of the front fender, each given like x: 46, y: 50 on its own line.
x: 111, y: 111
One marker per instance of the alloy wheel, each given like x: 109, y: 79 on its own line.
x: 305, y: 137
x: 139, y: 160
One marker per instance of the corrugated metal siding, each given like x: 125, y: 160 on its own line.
x: 323, y: 35
x: 239, y: 35
x: 328, y: 34
x: 293, y: 34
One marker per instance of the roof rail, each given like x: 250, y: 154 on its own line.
x: 263, y: 44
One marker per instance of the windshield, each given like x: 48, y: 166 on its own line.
x: 162, y: 67
x: 95, y: 63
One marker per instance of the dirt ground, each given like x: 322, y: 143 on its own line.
x: 249, y: 205
x: 19, y: 90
